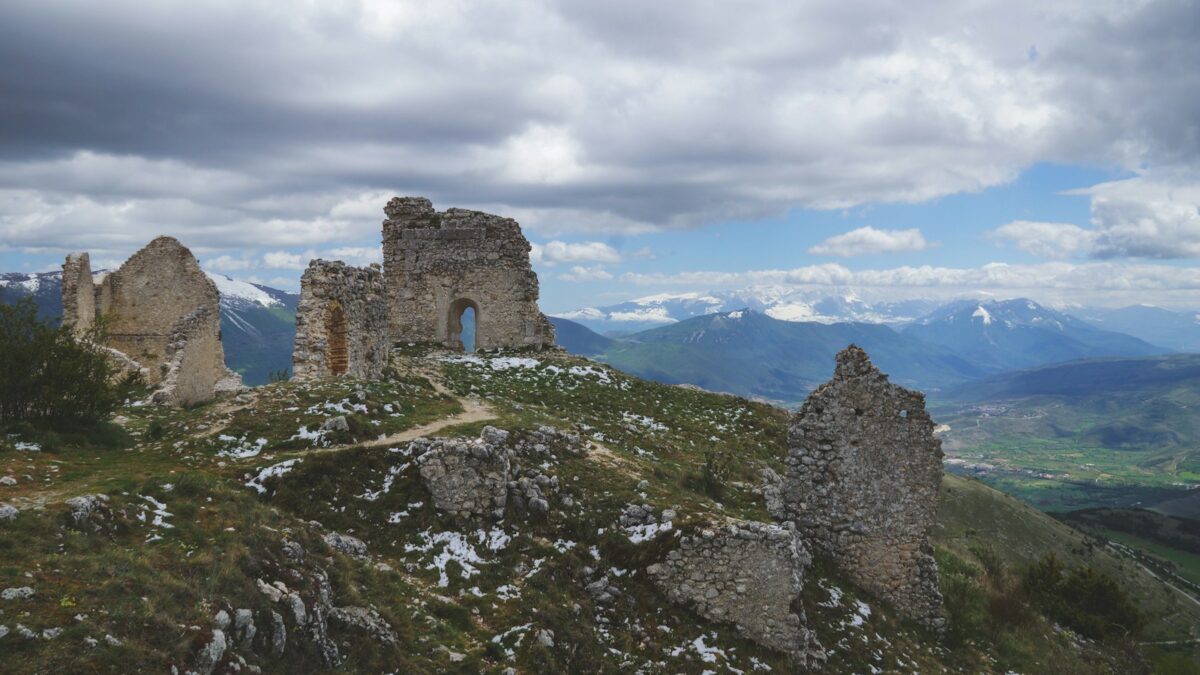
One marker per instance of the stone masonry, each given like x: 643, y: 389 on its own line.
x: 439, y: 264
x: 160, y: 310
x: 341, y: 322
x: 466, y: 477
x: 747, y: 574
x: 864, y: 470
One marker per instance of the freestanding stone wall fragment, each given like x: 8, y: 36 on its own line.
x: 466, y: 477
x: 341, y: 322
x: 439, y: 264
x: 862, y: 484
x: 78, y: 294
x: 748, y: 574
x: 161, y: 311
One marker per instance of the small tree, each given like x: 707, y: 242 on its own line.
x: 46, y: 374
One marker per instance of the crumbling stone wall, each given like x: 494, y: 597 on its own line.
x: 748, y: 574
x: 194, y: 353
x: 466, y: 477
x: 341, y: 322
x: 864, y: 469
x: 161, y: 311
x: 439, y: 264
x: 78, y: 294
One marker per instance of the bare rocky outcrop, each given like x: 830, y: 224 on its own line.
x: 864, y: 470
x: 160, y: 311
x: 747, y: 574
x: 341, y: 322
x: 439, y: 264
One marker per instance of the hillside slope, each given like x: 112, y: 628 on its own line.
x: 1103, y: 432
x: 245, y: 512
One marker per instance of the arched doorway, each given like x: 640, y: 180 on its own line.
x: 463, y: 326
x: 337, y: 357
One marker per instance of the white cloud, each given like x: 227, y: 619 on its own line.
x: 1046, y: 240
x: 356, y: 255
x: 225, y: 263
x: 573, y: 117
x: 1108, y: 283
x: 555, y: 252
x: 870, y: 241
x: 581, y: 274
x: 1152, y: 215
x: 1148, y: 216
x: 284, y: 260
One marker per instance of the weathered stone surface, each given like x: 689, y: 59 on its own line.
x: 19, y: 593
x: 864, y: 469
x: 346, y: 544
x: 747, y: 574
x: 9, y: 512
x: 160, y: 311
x: 78, y: 294
x: 465, y: 477
x: 439, y: 264
x: 365, y: 619
x: 84, y: 507
x: 341, y: 322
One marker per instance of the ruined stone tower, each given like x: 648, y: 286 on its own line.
x: 159, y: 310
x: 439, y: 264
x: 341, y: 322
x: 864, y: 470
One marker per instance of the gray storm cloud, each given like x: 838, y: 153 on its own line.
x: 273, y: 124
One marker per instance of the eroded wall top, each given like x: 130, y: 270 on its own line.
x: 439, y: 264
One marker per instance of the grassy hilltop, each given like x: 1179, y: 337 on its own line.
x: 205, y: 502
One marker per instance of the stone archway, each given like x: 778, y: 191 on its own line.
x: 337, y: 357
x: 454, y: 324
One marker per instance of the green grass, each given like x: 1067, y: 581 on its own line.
x: 150, y: 585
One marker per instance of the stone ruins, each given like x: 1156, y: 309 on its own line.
x: 439, y: 264
x: 436, y: 266
x: 864, y: 470
x: 160, y: 313
x: 748, y: 574
x: 341, y: 322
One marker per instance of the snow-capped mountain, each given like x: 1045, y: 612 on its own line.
x: 258, y: 323
x: 1020, y: 333
x: 778, y: 302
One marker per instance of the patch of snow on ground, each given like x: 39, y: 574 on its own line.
x: 317, y: 436
x: 394, y: 471
x: 27, y: 447
x: 983, y: 314
x: 272, y: 471
x: 585, y: 371
x: 458, y: 547
x: 563, y: 545
x: 646, y: 421
x: 639, y: 533
x: 242, y: 449
x: 707, y: 654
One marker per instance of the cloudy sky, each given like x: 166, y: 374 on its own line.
x: 904, y: 149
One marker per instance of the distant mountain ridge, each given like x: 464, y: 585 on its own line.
x: 752, y: 354
x: 778, y: 302
x: 1000, y: 335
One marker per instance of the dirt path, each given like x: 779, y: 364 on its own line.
x: 474, y: 410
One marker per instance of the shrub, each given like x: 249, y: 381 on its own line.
x: 713, y: 474
x: 47, y: 375
x: 1083, y: 599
